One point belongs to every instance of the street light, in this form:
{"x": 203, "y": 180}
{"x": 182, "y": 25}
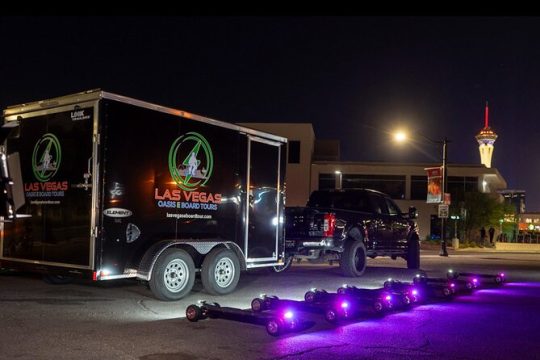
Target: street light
{"x": 401, "y": 137}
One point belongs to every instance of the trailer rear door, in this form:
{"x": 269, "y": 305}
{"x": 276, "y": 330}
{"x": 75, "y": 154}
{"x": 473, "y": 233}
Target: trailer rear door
{"x": 55, "y": 148}
{"x": 263, "y": 206}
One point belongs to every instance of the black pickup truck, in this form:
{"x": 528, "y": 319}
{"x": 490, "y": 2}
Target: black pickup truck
{"x": 350, "y": 225}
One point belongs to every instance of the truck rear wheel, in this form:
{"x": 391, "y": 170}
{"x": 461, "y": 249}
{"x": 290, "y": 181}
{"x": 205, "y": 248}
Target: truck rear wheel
{"x": 173, "y": 275}
{"x": 220, "y": 271}
{"x": 413, "y": 253}
{"x": 353, "y": 259}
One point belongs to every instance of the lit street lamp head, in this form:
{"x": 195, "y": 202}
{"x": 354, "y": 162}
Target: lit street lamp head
{"x": 400, "y": 136}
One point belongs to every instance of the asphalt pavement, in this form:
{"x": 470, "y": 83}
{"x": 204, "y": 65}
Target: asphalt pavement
{"x": 121, "y": 319}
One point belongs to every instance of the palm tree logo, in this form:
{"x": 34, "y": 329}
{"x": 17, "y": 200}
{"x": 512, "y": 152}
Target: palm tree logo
{"x": 191, "y": 161}
{"x": 46, "y": 157}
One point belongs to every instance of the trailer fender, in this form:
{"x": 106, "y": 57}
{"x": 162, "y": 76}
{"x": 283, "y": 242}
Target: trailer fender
{"x": 196, "y": 249}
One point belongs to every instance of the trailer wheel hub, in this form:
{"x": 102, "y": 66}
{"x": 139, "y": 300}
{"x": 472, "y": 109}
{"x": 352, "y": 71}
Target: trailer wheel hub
{"x": 176, "y": 275}
{"x": 224, "y": 272}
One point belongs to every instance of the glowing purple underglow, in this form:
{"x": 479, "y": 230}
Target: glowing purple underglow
{"x": 344, "y": 305}
{"x": 288, "y": 315}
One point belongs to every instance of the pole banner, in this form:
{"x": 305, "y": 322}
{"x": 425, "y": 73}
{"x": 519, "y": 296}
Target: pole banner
{"x": 434, "y": 185}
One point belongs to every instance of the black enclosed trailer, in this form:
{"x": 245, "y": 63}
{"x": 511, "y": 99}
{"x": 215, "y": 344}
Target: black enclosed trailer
{"x": 120, "y": 188}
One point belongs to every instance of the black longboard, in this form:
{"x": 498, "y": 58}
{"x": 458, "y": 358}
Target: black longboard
{"x": 275, "y": 323}
{"x": 367, "y": 304}
{"x": 431, "y": 288}
{"x": 478, "y": 278}
{"x": 404, "y": 287}
{"x": 333, "y": 311}
{"x": 455, "y": 285}
{"x": 390, "y": 298}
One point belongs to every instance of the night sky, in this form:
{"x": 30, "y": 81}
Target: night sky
{"x": 356, "y": 79}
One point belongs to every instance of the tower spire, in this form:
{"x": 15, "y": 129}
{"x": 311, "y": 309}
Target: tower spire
{"x": 486, "y": 138}
{"x": 486, "y": 119}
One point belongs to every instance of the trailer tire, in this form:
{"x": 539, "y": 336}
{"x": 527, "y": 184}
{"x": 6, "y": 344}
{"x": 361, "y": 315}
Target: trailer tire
{"x": 353, "y": 259}
{"x": 413, "y": 253}
{"x": 220, "y": 271}
{"x": 173, "y": 275}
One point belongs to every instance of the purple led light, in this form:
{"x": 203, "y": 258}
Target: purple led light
{"x": 388, "y": 298}
{"x": 452, "y": 285}
{"x": 288, "y": 315}
{"x": 414, "y": 292}
{"x": 475, "y": 280}
{"x": 501, "y": 274}
{"x": 344, "y": 305}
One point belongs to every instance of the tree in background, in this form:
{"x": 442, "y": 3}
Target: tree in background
{"x": 481, "y": 210}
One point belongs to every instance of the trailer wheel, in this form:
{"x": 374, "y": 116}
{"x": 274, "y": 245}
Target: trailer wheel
{"x": 220, "y": 271}
{"x": 173, "y": 275}
{"x": 193, "y": 313}
{"x": 413, "y": 253}
{"x": 353, "y": 259}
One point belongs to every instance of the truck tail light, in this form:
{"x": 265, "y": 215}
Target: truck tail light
{"x": 329, "y": 225}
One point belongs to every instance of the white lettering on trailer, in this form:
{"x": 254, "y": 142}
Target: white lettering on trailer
{"x": 117, "y": 212}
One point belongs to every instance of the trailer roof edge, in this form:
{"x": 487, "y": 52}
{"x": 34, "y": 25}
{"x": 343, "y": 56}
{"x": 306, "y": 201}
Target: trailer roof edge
{"x": 97, "y": 94}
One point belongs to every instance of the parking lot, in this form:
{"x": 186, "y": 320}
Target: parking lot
{"x": 121, "y": 320}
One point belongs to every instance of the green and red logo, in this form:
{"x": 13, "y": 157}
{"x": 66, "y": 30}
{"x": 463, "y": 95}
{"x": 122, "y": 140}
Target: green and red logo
{"x": 191, "y": 161}
{"x": 46, "y": 157}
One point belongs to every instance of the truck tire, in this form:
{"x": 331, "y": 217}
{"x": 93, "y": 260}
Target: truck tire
{"x": 220, "y": 271}
{"x": 173, "y": 275}
{"x": 413, "y": 253}
{"x": 353, "y": 259}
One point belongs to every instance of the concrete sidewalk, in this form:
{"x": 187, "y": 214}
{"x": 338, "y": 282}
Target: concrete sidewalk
{"x": 474, "y": 251}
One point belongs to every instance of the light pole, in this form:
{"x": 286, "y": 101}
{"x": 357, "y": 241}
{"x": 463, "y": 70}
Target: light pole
{"x": 443, "y": 251}
{"x": 401, "y": 137}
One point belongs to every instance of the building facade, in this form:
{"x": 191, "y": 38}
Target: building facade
{"x": 309, "y": 169}
{"x": 406, "y": 184}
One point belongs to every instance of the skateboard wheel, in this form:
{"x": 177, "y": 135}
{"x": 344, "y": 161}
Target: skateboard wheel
{"x": 273, "y": 327}
{"x": 378, "y": 306}
{"x": 257, "y": 305}
{"x": 309, "y": 296}
{"x": 193, "y": 313}
{"x": 331, "y": 315}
